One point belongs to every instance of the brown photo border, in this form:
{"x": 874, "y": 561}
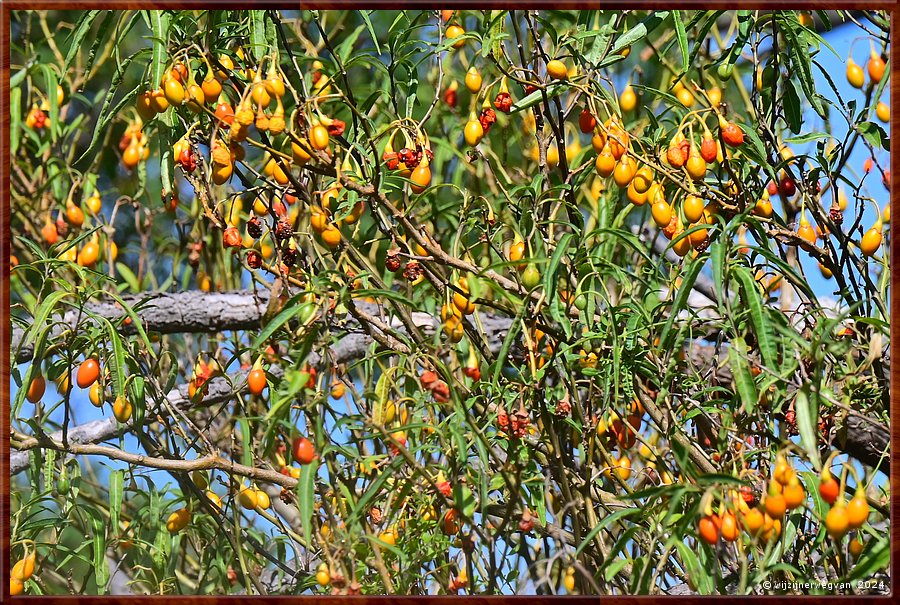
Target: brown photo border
{"x": 8, "y": 6}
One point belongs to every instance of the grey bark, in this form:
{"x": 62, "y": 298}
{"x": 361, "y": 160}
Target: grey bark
{"x": 196, "y": 311}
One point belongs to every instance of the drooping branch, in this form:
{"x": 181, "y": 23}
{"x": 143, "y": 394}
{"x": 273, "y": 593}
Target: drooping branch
{"x": 184, "y": 466}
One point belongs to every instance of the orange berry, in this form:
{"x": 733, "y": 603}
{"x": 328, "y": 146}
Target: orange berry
{"x": 557, "y": 70}
{"x": 331, "y": 236}
{"x": 624, "y": 171}
{"x": 36, "y": 389}
{"x": 75, "y": 215}
{"x": 857, "y": 510}
{"x": 88, "y": 372}
{"x": 855, "y": 74}
{"x": 453, "y": 32}
{"x": 605, "y": 164}
{"x": 692, "y": 208}
{"x": 256, "y": 381}
{"x": 643, "y": 179}
{"x": 122, "y": 409}
{"x": 794, "y": 494}
{"x": 420, "y": 177}
{"x": 696, "y": 166}
{"x": 753, "y": 520}
{"x": 708, "y": 530}
{"x": 178, "y": 520}
{"x": 856, "y": 546}
{"x": 318, "y": 137}
{"x": 871, "y": 241}
{"x": 775, "y": 505}
{"x": 836, "y": 521}
{"x": 875, "y": 67}
{"x": 662, "y": 213}
{"x": 449, "y": 524}
{"x": 729, "y": 529}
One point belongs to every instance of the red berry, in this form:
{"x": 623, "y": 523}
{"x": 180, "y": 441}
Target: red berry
{"x": 303, "y": 450}
{"x": 337, "y": 128}
{"x": 503, "y": 102}
{"x": 450, "y": 97}
{"x": 231, "y": 238}
{"x": 254, "y": 260}
{"x": 732, "y": 135}
{"x": 709, "y": 149}
{"x": 586, "y": 122}
{"x": 787, "y": 187}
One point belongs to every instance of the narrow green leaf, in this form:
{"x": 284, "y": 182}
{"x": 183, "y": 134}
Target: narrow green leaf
{"x": 345, "y": 49}
{"x": 365, "y": 17}
{"x": 603, "y": 523}
{"x": 47, "y": 307}
{"x": 161, "y": 546}
{"x": 117, "y": 362}
{"x": 493, "y": 42}
{"x": 106, "y": 115}
{"x": 691, "y": 563}
{"x": 800, "y": 58}
{"x": 50, "y": 84}
{"x": 136, "y": 396}
{"x": 291, "y": 309}
{"x": 49, "y": 468}
{"x": 717, "y": 255}
{"x": 246, "y": 452}
{"x": 876, "y": 556}
{"x": 553, "y": 268}
{"x": 135, "y": 323}
{"x": 78, "y": 35}
{"x": 791, "y": 102}
{"x": 613, "y": 568}
{"x": 681, "y": 36}
{"x": 507, "y": 343}
{"x": 712, "y": 17}
{"x": 258, "y": 33}
{"x": 159, "y": 28}
{"x": 16, "y": 79}
{"x": 807, "y": 415}
{"x": 639, "y": 31}
{"x": 553, "y": 90}
{"x": 116, "y": 491}
{"x": 166, "y": 161}
{"x": 306, "y": 495}
{"x": 464, "y": 499}
{"x": 271, "y": 34}
{"x": 101, "y": 567}
{"x": 15, "y": 119}
{"x": 740, "y": 371}
{"x": 128, "y": 275}
{"x": 382, "y": 390}
{"x": 680, "y": 302}
{"x": 756, "y": 151}
{"x": 875, "y": 135}
{"x": 752, "y": 298}
{"x": 601, "y": 40}
{"x": 106, "y": 26}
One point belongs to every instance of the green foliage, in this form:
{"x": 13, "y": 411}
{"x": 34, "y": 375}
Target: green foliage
{"x": 512, "y": 378}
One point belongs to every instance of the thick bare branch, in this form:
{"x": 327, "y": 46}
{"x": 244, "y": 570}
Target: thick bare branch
{"x": 861, "y": 437}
